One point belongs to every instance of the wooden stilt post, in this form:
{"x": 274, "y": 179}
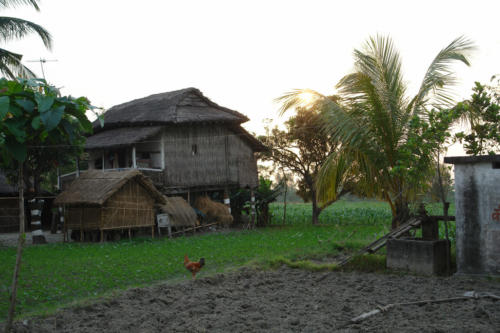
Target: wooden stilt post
{"x": 227, "y": 200}
{"x": 77, "y": 167}
{"x": 134, "y": 159}
{"x": 252, "y": 208}
{"x": 58, "y": 178}
{"x": 129, "y": 234}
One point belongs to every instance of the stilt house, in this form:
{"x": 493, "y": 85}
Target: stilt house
{"x": 180, "y": 139}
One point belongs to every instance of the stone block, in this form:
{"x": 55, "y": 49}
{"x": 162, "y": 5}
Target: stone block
{"x": 417, "y": 256}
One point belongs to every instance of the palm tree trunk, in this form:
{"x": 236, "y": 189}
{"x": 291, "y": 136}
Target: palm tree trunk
{"x": 316, "y": 210}
{"x": 402, "y": 212}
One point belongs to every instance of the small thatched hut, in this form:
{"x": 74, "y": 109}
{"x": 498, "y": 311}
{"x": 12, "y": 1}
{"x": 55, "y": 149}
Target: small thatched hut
{"x": 110, "y": 200}
{"x": 180, "y": 212}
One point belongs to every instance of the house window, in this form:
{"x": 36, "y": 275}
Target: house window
{"x": 194, "y": 149}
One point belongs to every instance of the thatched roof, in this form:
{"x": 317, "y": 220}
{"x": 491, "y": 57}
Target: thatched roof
{"x": 174, "y": 107}
{"x": 95, "y": 187}
{"x": 180, "y": 212}
{"x": 124, "y": 136}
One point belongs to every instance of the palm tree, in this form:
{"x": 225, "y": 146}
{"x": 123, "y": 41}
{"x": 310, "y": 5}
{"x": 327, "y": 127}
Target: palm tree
{"x": 373, "y": 119}
{"x": 15, "y": 28}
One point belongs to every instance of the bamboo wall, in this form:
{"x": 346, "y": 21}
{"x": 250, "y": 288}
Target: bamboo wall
{"x": 9, "y": 214}
{"x": 207, "y": 155}
{"x": 130, "y": 207}
{"x": 82, "y": 218}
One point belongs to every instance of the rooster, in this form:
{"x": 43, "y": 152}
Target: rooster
{"x": 193, "y": 267}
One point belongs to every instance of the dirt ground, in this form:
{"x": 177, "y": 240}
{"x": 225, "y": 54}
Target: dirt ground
{"x": 284, "y": 300}
{"x": 11, "y": 239}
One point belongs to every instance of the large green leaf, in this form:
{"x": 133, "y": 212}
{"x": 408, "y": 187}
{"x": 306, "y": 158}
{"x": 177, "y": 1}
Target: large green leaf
{"x": 52, "y": 117}
{"x": 26, "y": 104}
{"x": 16, "y": 149}
{"x": 16, "y": 126}
{"x": 44, "y": 102}
{"x": 4, "y": 106}
{"x": 35, "y": 123}
{"x": 70, "y": 130}
{"x": 82, "y": 118}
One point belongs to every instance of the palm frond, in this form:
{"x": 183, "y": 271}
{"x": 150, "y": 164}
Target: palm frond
{"x": 15, "y": 28}
{"x": 292, "y": 99}
{"x": 331, "y": 178}
{"x": 11, "y": 66}
{"x": 435, "y": 89}
{"x": 14, "y": 3}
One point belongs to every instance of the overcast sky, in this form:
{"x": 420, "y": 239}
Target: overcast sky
{"x": 244, "y": 54}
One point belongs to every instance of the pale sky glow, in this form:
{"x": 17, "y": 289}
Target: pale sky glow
{"x": 244, "y": 54}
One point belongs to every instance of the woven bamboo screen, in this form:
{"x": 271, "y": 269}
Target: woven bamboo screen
{"x": 130, "y": 207}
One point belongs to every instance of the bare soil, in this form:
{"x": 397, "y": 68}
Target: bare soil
{"x": 284, "y": 300}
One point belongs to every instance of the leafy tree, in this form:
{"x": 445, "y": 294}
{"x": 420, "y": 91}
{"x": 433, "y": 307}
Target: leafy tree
{"x": 15, "y": 28}
{"x": 39, "y": 128}
{"x": 37, "y": 125}
{"x": 483, "y": 114}
{"x": 388, "y": 136}
{"x": 264, "y": 195}
{"x": 441, "y": 183}
{"x": 302, "y": 149}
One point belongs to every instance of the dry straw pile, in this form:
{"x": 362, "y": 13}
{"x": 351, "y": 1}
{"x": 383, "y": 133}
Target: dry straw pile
{"x": 214, "y": 210}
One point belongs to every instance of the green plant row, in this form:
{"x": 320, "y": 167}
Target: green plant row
{"x": 343, "y": 213}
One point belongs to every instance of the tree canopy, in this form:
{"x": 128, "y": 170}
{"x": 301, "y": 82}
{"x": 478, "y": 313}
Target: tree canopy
{"x": 302, "y": 149}
{"x": 388, "y": 136}
{"x": 39, "y": 127}
{"x": 482, "y": 111}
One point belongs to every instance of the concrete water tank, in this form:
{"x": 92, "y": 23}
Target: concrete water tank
{"x": 477, "y": 204}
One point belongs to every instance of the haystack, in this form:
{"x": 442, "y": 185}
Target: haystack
{"x": 214, "y": 210}
{"x": 180, "y": 212}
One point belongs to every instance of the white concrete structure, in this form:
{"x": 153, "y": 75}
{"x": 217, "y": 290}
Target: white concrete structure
{"x": 477, "y": 202}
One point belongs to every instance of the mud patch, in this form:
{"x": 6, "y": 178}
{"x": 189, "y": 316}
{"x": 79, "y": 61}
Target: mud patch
{"x": 285, "y": 300}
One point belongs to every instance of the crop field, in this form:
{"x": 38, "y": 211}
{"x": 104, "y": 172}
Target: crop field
{"x": 350, "y": 213}
{"x": 59, "y": 274}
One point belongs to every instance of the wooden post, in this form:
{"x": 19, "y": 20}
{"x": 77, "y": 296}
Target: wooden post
{"x": 58, "y": 178}
{"x": 103, "y": 161}
{"x": 227, "y": 200}
{"x": 129, "y": 234}
{"x": 20, "y": 245}
{"x": 77, "y": 166}
{"x": 252, "y": 209}
{"x": 284, "y": 197}
{"x": 65, "y": 227}
{"x": 162, "y": 152}
{"x": 134, "y": 160}
{"x": 36, "y": 207}
{"x": 153, "y": 232}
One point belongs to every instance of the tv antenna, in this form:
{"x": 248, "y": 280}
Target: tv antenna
{"x": 43, "y": 61}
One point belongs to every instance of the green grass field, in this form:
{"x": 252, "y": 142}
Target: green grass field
{"x": 59, "y": 274}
